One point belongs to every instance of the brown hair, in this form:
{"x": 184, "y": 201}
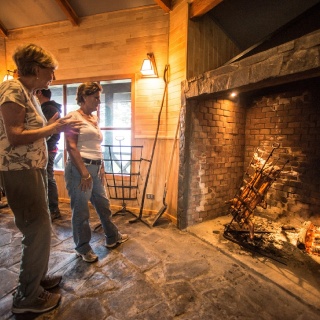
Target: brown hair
{"x": 28, "y": 57}
{"x": 87, "y": 89}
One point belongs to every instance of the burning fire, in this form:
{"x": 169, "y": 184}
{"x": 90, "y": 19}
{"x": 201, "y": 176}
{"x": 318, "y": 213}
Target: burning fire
{"x": 312, "y": 238}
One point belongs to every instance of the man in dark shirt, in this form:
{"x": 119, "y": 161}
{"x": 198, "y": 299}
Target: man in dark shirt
{"x": 49, "y": 109}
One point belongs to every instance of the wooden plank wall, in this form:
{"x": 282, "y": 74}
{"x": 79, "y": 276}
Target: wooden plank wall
{"x": 208, "y": 46}
{"x": 106, "y": 45}
{"x": 114, "y": 45}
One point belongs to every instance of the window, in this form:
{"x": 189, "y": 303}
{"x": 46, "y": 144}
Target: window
{"x": 115, "y": 114}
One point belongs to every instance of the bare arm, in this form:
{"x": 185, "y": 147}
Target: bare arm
{"x": 14, "y": 115}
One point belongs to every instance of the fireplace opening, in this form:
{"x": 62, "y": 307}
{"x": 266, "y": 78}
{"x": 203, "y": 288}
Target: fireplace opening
{"x": 222, "y": 135}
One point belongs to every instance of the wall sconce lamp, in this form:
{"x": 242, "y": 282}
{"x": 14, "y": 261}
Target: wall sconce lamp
{"x": 149, "y": 67}
{"x": 10, "y": 75}
{"x": 233, "y": 94}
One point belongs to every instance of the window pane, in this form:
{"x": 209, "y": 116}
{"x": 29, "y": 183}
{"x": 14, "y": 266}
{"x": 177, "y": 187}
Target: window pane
{"x": 71, "y": 97}
{"x": 57, "y": 95}
{"x": 114, "y": 114}
{"x": 116, "y": 146}
{"x": 115, "y": 108}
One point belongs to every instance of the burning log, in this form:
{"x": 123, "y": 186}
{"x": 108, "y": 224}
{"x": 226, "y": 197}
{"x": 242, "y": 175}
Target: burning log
{"x": 252, "y": 193}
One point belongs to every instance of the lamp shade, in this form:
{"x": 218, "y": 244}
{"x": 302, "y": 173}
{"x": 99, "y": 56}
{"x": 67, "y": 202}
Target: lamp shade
{"x": 148, "y": 68}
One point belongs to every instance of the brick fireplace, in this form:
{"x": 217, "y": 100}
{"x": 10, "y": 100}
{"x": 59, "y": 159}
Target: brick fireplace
{"x": 278, "y": 103}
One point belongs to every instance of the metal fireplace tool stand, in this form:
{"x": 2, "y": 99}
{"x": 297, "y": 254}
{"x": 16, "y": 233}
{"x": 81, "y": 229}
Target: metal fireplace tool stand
{"x": 122, "y": 171}
{"x": 264, "y": 168}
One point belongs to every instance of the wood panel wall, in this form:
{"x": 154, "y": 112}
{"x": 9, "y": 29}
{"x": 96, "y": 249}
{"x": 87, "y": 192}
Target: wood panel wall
{"x": 114, "y": 45}
{"x": 208, "y": 47}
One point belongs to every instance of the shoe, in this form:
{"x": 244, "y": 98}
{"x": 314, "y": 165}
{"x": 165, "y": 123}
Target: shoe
{"x": 90, "y": 256}
{"x": 122, "y": 238}
{"x": 55, "y": 215}
{"x": 50, "y": 281}
{"x": 45, "y": 302}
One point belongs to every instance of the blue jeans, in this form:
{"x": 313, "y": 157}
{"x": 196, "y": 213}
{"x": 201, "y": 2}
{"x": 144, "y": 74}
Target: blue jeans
{"x": 26, "y": 192}
{"x": 80, "y": 208}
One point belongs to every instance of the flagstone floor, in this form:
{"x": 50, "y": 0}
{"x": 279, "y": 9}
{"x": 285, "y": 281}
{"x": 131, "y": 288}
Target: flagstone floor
{"x": 164, "y": 273}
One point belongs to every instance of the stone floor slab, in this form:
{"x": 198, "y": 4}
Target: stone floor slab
{"x": 162, "y": 273}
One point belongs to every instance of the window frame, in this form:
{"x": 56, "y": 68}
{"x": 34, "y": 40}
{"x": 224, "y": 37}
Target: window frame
{"x": 98, "y": 79}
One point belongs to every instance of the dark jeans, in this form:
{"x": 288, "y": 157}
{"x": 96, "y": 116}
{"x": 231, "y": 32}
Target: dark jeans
{"x": 26, "y": 192}
{"x": 52, "y": 185}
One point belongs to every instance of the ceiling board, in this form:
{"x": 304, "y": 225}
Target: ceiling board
{"x": 15, "y": 14}
{"x": 88, "y": 7}
{"x": 22, "y": 13}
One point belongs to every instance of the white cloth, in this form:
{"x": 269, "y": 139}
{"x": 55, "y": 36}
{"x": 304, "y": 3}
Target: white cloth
{"x": 89, "y": 138}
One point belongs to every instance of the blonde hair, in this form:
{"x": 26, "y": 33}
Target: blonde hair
{"x": 87, "y": 89}
{"x": 28, "y": 57}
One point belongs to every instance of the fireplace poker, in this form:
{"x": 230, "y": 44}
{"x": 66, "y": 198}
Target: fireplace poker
{"x": 165, "y": 205}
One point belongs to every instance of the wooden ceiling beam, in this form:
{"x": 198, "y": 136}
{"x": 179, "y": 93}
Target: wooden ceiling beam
{"x": 68, "y": 11}
{"x": 200, "y": 7}
{"x": 3, "y": 31}
{"x": 166, "y": 5}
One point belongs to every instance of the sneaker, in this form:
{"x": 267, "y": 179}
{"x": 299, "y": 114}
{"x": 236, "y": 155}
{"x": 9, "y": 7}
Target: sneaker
{"x": 121, "y": 238}
{"x": 45, "y": 302}
{"x": 50, "y": 281}
{"x": 90, "y": 256}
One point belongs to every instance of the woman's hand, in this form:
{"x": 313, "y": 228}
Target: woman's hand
{"x": 65, "y": 124}
{"x": 85, "y": 183}
{"x": 54, "y": 118}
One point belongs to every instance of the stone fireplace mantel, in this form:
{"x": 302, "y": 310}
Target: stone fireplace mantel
{"x": 295, "y": 60}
